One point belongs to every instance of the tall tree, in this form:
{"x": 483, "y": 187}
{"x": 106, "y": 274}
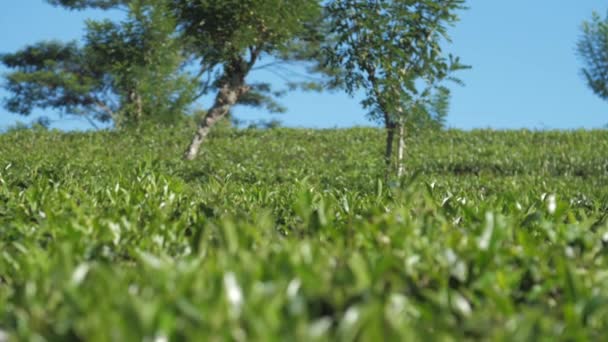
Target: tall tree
{"x": 593, "y": 50}
{"x": 122, "y": 72}
{"x": 234, "y": 35}
{"x": 392, "y": 49}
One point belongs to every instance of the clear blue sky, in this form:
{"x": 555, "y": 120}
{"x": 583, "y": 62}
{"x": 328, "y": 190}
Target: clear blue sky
{"x": 525, "y": 72}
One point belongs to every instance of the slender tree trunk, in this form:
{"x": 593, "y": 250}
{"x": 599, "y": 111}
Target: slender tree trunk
{"x": 390, "y": 137}
{"x": 227, "y": 97}
{"x": 400, "y": 150}
{"x": 233, "y": 87}
{"x": 135, "y": 103}
{"x": 140, "y": 107}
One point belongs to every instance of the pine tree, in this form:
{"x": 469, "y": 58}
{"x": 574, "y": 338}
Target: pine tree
{"x": 124, "y": 72}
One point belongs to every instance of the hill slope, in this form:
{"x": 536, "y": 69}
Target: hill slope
{"x": 287, "y": 233}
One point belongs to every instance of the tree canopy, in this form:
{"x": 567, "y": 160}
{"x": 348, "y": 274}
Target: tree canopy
{"x": 235, "y": 35}
{"x": 122, "y": 70}
{"x": 56, "y": 75}
{"x": 84, "y": 4}
{"x": 165, "y": 55}
{"x": 592, "y": 48}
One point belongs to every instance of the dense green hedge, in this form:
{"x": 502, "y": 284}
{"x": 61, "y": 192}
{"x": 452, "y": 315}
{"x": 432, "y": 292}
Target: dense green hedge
{"x": 291, "y": 233}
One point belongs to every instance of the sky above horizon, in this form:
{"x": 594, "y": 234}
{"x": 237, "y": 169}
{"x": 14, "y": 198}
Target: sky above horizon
{"x": 525, "y": 72}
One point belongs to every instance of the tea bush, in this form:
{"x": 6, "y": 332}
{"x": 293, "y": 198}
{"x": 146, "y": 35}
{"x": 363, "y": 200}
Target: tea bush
{"x": 284, "y": 234}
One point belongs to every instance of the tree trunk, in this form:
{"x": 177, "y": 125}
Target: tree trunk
{"x": 140, "y": 108}
{"x": 390, "y": 137}
{"x": 227, "y": 97}
{"x": 400, "y": 151}
{"x": 233, "y": 87}
{"x": 136, "y": 105}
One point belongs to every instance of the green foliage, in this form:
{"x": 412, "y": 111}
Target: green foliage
{"x": 219, "y": 38}
{"x": 84, "y": 4}
{"x": 55, "y": 75}
{"x": 430, "y": 113}
{"x": 392, "y": 49}
{"x": 593, "y": 50}
{"x": 279, "y": 235}
{"x": 231, "y": 38}
{"x": 227, "y": 29}
{"x": 123, "y": 72}
{"x": 144, "y": 58}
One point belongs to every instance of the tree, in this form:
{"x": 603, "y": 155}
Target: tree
{"x": 227, "y": 40}
{"x": 145, "y": 59}
{"x": 392, "y": 50}
{"x": 593, "y": 50}
{"x": 122, "y": 72}
{"x": 235, "y": 35}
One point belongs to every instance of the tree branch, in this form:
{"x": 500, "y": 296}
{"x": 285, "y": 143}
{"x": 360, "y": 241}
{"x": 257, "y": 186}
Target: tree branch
{"x": 106, "y": 109}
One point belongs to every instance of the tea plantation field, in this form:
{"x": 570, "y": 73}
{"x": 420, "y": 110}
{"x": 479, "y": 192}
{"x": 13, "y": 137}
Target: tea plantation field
{"x": 293, "y": 234}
